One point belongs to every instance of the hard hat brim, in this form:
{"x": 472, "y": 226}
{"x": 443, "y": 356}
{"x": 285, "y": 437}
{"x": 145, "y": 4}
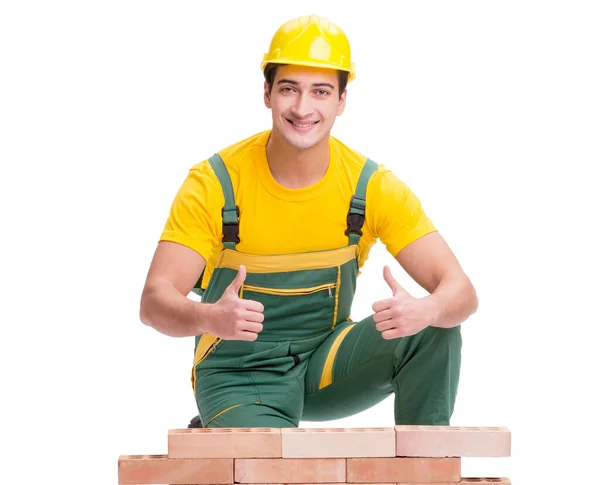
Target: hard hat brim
{"x": 318, "y": 64}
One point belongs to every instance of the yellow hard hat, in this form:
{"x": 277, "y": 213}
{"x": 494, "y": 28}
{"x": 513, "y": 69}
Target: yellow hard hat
{"x": 311, "y": 41}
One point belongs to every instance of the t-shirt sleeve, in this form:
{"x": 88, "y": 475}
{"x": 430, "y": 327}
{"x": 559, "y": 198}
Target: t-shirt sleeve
{"x": 195, "y": 216}
{"x": 394, "y": 212}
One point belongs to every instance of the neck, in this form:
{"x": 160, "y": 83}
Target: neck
{"x": 296, "y": 168}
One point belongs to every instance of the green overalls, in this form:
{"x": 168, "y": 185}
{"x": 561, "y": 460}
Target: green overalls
{"x": 311, "y": 361}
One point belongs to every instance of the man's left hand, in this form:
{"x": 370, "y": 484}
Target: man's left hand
{"x": 402, "y": 315}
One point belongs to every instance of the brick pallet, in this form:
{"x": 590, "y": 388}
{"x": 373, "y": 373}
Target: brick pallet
{"x": 401, "y": 455}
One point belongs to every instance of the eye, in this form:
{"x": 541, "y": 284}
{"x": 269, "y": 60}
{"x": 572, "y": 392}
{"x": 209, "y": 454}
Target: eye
{"x": 323, "y": 92}
{"x": 287, "y": 89}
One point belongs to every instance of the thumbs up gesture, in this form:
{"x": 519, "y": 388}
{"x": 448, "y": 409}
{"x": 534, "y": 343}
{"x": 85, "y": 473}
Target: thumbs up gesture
{"x": 402, "y": 314}
{"x": 235, "y": 318}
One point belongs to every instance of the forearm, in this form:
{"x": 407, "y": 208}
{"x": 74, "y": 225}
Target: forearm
{"x": 169, "y": 312}
{"x": 453, "y": 301}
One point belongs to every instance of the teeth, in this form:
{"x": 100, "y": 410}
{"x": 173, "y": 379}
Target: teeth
{"x": 303, "y": 126}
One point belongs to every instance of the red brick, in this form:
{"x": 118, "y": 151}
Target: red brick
{"x": 463, "y": 481}
{"x": 361, "y": 470}
{"x": 152, "y": 469}
{"x": 224, "y": 443}
{"x": 338, "y": 442}
{"x": 452, "y": 441}
{"x": 290, "y": 470}
{"x": 484, "y": 481}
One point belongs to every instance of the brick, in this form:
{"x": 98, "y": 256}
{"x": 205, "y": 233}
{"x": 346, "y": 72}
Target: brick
{"x": 152, "y": 469}
{"x": 224, "y": 443}
{"x": 484, "y": 481}
{"x": 378, "y": 470}
{"x": 463, "y": 481}
{"x": 338, "y": 442}
{"x": 290, "y": 470}
{"x": 452, "y": 441}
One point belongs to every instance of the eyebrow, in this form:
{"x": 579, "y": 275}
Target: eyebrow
{"x": 296, "y": 83}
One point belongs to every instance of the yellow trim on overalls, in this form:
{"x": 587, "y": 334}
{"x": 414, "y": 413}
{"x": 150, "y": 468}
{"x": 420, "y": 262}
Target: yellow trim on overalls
{"x": 274, "y": 263}
{"x": 206, "y": 342}
{"x": 289, "y": 291}
{"x": 327, "y": 375}
{"x": 337, "y": 297}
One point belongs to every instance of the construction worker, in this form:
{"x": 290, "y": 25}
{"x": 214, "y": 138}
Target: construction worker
{"x": 272, "y": 232}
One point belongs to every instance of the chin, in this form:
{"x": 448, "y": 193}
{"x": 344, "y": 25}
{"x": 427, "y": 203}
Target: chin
{"x": 302, "y": 141}
{"x": 303, "y": 144}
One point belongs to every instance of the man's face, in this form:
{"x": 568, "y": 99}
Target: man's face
{"x": 304, "y": 102}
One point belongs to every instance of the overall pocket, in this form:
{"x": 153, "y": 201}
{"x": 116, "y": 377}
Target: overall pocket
{"x": 329, "y": 287}
{"x": 294, "y": 313}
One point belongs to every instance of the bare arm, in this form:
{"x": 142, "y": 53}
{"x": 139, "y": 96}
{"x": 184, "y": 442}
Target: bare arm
{"x": 432, "y": 264}
{"x": 164, "y": 305}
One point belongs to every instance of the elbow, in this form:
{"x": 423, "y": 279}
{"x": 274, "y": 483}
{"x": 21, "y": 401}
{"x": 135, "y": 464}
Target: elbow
{"x": 144, "y": 312}
{"x": 142, "y": 315}
{"x": 473, "y": 298}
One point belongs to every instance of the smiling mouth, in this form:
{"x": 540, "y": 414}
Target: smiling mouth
{"x": 302, "y": 125}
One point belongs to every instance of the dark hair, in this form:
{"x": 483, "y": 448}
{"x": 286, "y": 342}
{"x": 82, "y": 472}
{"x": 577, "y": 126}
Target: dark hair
{"x": 271, "y": 70}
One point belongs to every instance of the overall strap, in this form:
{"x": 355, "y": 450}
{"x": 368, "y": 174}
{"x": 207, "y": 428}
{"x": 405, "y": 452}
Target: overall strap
{"x": 356, "y": 213}
{"x": 230, "y": 212}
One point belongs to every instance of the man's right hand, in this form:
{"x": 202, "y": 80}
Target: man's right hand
{"x": 234, "y": 317}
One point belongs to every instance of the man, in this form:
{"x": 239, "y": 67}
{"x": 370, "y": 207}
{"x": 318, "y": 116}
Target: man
{"x": 272, "y": 232}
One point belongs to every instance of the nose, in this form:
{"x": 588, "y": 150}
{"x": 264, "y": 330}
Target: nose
{"x": 301, "y": 108}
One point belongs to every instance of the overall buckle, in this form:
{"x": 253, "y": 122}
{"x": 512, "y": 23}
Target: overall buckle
{"x": 231, "y": 229}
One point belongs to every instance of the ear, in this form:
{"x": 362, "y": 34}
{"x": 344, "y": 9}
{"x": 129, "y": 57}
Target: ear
{"x": 342, "y": 103}
{"x": 267, "y": 96}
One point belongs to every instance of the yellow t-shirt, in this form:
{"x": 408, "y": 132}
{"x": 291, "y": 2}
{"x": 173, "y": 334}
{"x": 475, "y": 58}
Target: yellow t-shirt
{"x": 277, "y": 220}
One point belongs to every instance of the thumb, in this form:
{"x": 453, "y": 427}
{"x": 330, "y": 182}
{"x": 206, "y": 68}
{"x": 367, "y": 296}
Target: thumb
{"x": 392, "y": 283}
{"x": 236, "y": 284}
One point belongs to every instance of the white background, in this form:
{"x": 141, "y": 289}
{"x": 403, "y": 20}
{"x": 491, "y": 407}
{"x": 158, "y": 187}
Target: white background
{"x": 489, "y": 111}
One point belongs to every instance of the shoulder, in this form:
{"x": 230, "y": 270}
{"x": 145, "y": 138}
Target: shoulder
{"x": 353, "y": 162}
{"x": 235, "y": 154}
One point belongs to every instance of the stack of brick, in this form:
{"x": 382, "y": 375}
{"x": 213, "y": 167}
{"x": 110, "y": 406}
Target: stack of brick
{"x": 401, "y": 455}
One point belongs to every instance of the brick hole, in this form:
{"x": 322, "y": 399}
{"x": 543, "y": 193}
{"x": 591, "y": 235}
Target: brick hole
{"x": 264, "y": 430}
{"x": 154, "y": 456}
{"x": 245, "y": 430}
